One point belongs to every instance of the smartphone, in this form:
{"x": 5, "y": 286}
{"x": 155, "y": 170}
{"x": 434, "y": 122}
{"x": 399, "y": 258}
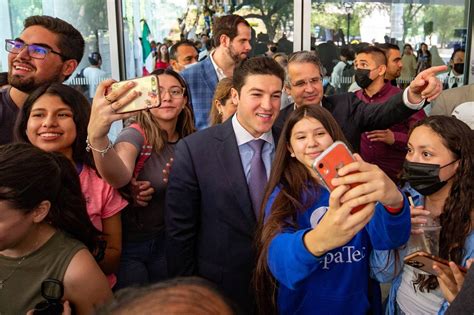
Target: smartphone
{"x": 148, "y": 89}
{"x": 423, "y": 261}
{"x": 330, "y": 161}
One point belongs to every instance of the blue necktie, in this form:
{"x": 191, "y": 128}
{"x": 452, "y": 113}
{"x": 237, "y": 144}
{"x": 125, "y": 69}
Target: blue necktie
{"x": 258, "y": 175}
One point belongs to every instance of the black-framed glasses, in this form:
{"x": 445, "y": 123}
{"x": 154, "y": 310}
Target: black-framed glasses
{"x": 35, "y": 51}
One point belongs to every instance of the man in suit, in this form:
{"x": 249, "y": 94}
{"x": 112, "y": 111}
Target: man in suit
{"x": 231, "y": 35}
{"x": 212, "y": 197}
{"x": 449, "y": 99}
{"x": 304, "y": 84}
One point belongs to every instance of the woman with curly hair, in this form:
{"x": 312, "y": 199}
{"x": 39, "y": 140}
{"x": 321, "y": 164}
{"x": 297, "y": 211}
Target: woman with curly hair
{"x": 439, "y": 171}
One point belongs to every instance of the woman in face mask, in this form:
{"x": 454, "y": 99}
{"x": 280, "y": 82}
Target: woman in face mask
{"x": 439, "y": 177}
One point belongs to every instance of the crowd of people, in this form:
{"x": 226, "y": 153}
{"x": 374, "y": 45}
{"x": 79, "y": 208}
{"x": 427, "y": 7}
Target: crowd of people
{"x": 209, "y": 203}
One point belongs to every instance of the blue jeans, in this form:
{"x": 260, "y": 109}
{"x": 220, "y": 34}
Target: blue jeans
{"x": 142, "y": 263}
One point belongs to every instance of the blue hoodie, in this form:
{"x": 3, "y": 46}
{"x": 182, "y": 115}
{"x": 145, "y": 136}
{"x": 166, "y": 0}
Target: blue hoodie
{"x": 338, "y": 281}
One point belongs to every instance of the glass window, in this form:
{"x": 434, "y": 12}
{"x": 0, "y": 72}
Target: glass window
{"x": 271, "y": 20}
{"x": 440, "y": 24}
{"x": 88, "y": 16}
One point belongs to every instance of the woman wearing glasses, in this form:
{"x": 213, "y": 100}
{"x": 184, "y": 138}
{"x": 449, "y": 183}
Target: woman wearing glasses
{"x": 143, "y": 259}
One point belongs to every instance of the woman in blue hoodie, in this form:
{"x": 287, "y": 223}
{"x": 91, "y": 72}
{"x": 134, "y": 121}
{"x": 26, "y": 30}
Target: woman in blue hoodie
{"x": 314, "y": 255}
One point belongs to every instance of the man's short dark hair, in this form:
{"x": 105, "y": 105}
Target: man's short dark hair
{"x": 71, "y": 42}
{"x": 456, "y": 51}
{"x": 174, "y": 48}
{"x": 227, "y": 25}
{"x": 256, "y": 66}
{"x": 348, "y": 53}
{"x": 95, "y": 58}
{"x": 387, "y": 46}
{"x": 378, "y": 54}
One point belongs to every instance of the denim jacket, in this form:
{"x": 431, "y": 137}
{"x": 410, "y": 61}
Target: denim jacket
{"x": 385, "y": 269}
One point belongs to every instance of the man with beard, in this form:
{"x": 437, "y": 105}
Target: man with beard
{"x": 394, "y": 62}
{"x": 48, "y": 50}
{"x": 231, "y": 36}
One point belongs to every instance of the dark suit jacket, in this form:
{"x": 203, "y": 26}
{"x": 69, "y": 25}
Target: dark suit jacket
{"x": 210, "y": 222}
{"x": 201, "y": 80}
{"x": 355, "y": 116}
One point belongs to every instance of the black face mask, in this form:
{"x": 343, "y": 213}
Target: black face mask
{"x": 459, "y": 68}
{"x": 362, "y": 78}
{"x": 423, "y": 177}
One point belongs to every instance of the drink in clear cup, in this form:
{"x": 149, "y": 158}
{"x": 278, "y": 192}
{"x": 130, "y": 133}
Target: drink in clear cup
{"x": 428, "y": 241}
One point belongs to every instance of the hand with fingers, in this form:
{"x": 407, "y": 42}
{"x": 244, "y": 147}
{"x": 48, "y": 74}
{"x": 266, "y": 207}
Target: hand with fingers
{"x": 385, "y": 136}
{"x": 338, "y": 226}
{"x": 103, "y": 110}
{"x": 418, "y": 216}
{"x": 142, "y": 192}
{"x": 426, "y": 86}
{"x": 451, "y": 279}
{"x": 373, "y": 185}
{"x": 167, "y": 169}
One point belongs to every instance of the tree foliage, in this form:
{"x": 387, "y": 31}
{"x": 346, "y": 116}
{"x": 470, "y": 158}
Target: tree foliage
{"x": 275, "y": 14}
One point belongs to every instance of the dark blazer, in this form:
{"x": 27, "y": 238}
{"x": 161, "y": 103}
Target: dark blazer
{"x": 209, "y": 218}
{"x": 356, "y": 117}
{"x": 201, "y": 80}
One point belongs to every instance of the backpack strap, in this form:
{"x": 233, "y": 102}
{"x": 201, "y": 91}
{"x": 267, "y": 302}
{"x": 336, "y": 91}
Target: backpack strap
{"x": 145, "y": 152}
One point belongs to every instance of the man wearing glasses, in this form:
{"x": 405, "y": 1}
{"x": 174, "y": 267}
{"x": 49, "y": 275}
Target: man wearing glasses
{"x": 304, "y": 84}
{"x": 48, "y": 50}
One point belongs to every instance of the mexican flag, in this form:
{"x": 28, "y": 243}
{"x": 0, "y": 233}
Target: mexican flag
{"x": 148, "y": 65}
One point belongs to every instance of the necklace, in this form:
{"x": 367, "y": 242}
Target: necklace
{"x": 4, "y": 280}
{"x": 18, "y": 264}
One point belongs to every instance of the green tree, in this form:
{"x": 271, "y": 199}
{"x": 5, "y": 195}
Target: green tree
{"x": 411, "y": 13}
{"x": 275, "y": 14}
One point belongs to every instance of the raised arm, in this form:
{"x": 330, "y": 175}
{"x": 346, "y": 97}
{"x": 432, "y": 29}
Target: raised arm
{"x": 115, "y": 164}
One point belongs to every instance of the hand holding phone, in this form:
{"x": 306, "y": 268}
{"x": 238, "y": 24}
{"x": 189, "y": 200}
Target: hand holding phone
{"x": 330, "y": 161}
{"x": 424, "y": 261}
{"x": 148, "y": 90}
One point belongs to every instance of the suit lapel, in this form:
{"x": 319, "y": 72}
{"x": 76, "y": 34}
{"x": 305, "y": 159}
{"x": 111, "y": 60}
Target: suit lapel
{"x": 209, "y": 73}
{"x": 229, "y": 158}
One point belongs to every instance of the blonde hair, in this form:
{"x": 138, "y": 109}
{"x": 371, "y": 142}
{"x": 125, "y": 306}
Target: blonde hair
{"x": 222, "y": 94}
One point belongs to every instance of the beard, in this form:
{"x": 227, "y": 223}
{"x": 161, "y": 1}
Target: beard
{"x": 234, "y": 55}
{"x": 27, "y": 85}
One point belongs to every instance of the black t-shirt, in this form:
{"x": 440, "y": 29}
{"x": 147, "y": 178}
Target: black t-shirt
{"x": 8, "y": 113}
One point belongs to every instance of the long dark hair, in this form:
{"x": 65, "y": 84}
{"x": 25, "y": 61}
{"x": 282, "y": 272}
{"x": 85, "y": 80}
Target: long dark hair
{"x": 456, "y": 216}
{"x": 29, "y": 175}
{"x": 294, "y": 181}
{"x": 81, "y": 111}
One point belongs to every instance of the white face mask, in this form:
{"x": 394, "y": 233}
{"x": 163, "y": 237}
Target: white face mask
{"x": 189, "y": 65}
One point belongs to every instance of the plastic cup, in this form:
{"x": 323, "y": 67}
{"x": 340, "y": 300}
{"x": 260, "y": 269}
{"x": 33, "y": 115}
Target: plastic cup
{"x": 428, "y": 241}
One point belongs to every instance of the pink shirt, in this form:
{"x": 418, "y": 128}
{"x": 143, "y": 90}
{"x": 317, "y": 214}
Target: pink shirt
{"x": 103, "y": 201}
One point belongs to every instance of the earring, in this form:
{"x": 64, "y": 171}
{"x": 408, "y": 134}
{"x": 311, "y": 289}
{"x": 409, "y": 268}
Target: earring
{"x": 292, "y": 155}
{"x": 219, "y": 113}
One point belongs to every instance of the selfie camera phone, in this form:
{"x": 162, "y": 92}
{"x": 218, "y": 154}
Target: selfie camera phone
{"x": 330, "y": 162}
{"x": 148, "y": 89}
